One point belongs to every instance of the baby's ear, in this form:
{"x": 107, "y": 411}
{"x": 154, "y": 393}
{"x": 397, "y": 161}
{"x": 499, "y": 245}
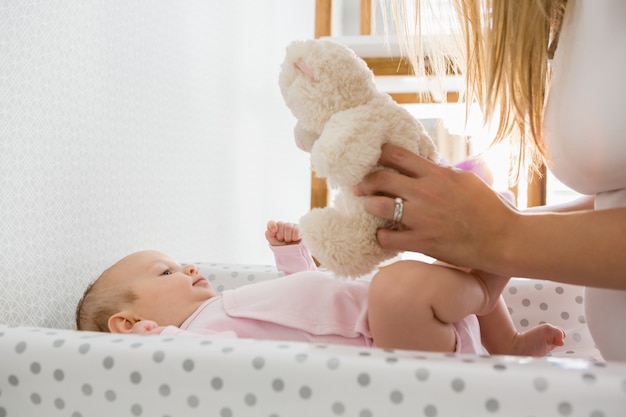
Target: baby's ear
{"x": 306, "y": 70}
{"x": 122, "y": 322}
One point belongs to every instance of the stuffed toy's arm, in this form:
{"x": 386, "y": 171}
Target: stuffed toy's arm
{"x": 304, "y": 138}
{"x": 349, "y": 146}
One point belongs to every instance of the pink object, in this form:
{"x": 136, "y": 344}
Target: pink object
{"x": 478, "y": 167}
{"x": 308, "y": 306}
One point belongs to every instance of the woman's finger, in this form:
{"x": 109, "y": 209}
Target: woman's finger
{"x": 396, "y": 239}
{"x": 380, "y": 206}
{"x": 385, "y": 208}
{"x": 408, "y": 167}
{"x": 386, "y": 183}
{"x": 405, "y": 161}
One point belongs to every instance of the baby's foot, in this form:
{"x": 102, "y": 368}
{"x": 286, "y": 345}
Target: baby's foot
{"x": 538, "y": 341}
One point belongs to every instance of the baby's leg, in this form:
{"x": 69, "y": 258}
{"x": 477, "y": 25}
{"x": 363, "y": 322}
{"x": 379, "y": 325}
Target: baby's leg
{"x": 499, "y": 335}
{"x": 412, "y": 304}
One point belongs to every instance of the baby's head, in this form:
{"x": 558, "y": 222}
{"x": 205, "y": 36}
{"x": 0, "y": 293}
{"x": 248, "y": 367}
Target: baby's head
{"x": 145, "y": 285}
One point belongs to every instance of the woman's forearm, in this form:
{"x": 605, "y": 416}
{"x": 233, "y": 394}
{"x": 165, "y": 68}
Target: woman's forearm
{"x": 582, "y": 203}
{"x": 455, "y": 217}
{"x": 583, "y": 248}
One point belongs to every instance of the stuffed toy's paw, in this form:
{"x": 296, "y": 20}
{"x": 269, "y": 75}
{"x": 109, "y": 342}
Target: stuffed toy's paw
{"x": 344, "y": 236}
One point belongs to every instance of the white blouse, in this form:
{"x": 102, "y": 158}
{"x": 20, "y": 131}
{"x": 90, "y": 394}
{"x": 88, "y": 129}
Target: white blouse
{"x": 585, "y": 133}
{"x": 585, "y": 120}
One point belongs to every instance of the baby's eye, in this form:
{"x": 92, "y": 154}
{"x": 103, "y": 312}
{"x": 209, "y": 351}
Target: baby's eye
{"x": 167, "y": 272}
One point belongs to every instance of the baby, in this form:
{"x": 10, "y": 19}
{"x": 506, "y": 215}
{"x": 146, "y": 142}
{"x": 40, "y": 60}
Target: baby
{"x": 407, "y": 305}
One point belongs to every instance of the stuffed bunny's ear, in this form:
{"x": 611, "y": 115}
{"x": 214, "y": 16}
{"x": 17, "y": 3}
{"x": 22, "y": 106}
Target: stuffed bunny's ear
{"x": 306, "y": 70}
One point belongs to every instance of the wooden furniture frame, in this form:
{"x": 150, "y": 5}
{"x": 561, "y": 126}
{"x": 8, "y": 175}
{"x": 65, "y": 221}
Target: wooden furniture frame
{"x": 394, "y": 66}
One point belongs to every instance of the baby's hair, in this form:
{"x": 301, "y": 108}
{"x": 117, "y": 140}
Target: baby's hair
{"x": 101, "y": 300}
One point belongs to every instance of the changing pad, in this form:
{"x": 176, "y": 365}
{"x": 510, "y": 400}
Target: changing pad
{"x": 62, "y": 372}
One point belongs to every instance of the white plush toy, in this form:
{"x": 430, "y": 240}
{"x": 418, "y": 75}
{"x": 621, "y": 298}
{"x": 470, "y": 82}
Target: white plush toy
{"x": 343, "y": 121}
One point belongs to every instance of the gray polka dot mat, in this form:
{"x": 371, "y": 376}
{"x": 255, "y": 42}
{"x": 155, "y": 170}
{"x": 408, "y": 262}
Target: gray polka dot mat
{"x": 62, "y": 372}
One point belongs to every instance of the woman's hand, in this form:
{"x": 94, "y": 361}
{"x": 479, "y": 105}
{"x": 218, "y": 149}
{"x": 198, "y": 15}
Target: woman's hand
{"x": 449, "y": 214}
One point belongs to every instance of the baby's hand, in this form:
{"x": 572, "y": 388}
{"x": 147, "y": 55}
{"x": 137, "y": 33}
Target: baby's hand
{"x": 147, "y": 327}
{"x": 282, "y": 234}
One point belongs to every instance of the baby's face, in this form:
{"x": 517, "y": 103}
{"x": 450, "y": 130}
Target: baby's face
{"x": 167, "y": 292}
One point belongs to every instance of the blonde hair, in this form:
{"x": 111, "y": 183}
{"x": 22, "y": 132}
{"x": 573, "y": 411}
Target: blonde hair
{"x": 101, "y": 300}
{"x": 502, "y": 47}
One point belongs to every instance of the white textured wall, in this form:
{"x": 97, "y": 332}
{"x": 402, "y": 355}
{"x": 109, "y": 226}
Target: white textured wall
{"x": 127, "y": 125}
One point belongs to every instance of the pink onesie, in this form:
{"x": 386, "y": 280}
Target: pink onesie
{"x": 308, "y": 306}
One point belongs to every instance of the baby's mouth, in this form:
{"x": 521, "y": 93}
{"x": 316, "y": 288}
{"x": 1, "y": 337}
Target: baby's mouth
{"x": 201, "y": 281}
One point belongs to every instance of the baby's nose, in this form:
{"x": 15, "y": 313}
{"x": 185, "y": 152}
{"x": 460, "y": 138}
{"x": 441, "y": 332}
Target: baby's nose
{"x": 190, "y": 270}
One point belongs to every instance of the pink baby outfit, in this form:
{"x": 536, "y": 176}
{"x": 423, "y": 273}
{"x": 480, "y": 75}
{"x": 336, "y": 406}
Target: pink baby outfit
{"x": 308, "y": 306}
